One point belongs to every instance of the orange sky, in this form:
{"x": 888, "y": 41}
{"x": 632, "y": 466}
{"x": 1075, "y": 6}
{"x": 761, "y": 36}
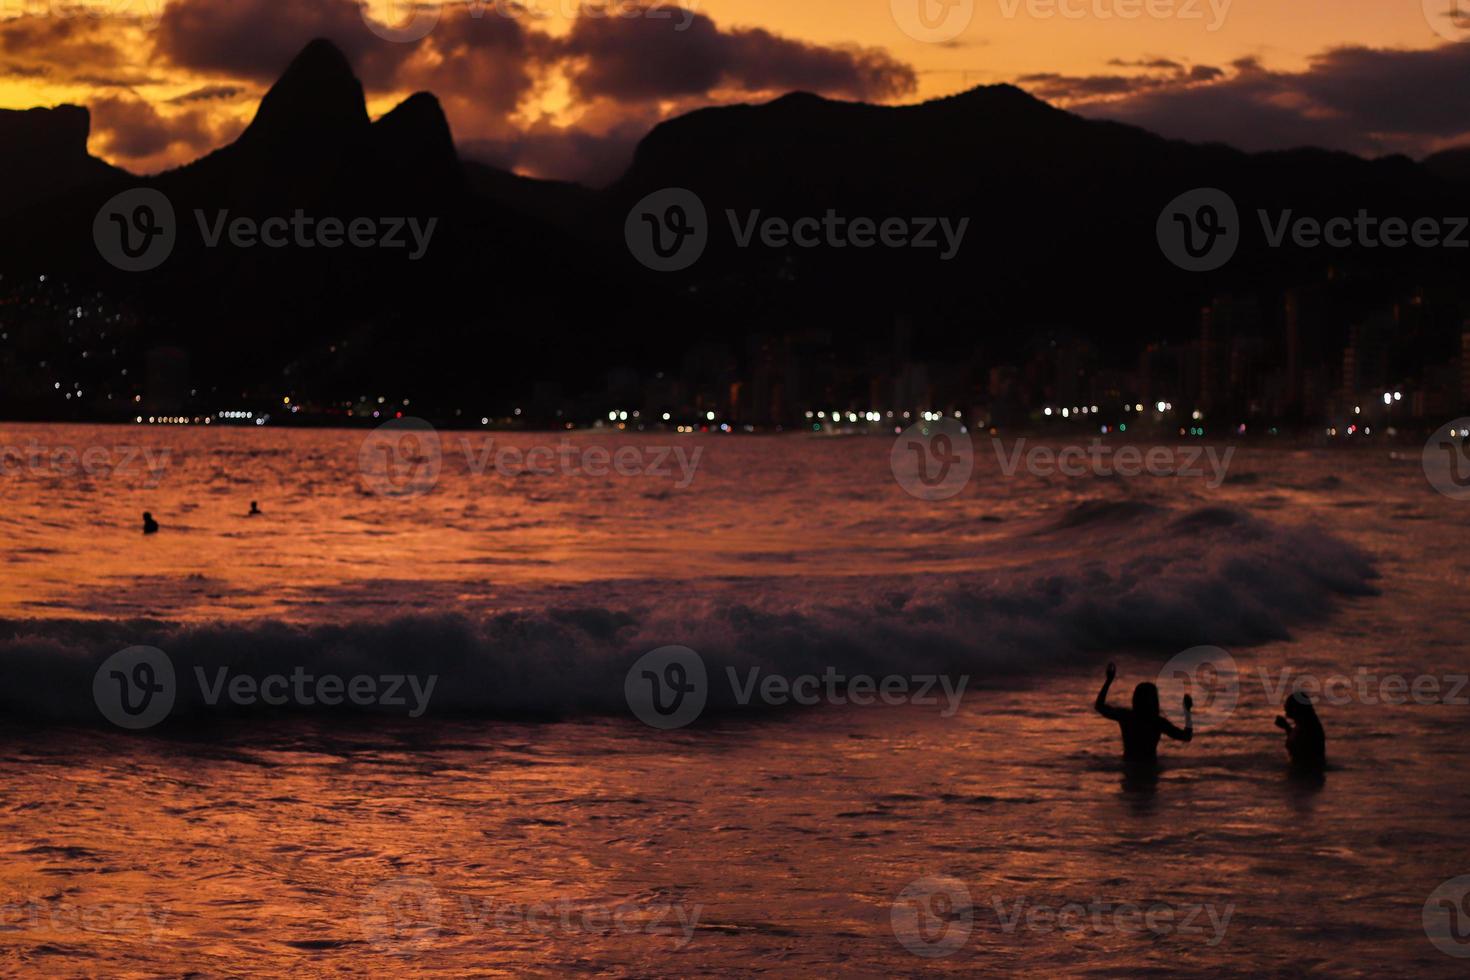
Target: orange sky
{"x": 107, "y": 53}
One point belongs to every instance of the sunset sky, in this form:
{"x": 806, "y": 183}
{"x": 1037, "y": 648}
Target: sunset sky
{"x": 549, "y": 93}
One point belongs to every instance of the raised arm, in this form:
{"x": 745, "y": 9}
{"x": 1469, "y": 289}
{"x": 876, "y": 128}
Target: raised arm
{"x": 1101, "y": 704}
{"x": 1185, "y": 734}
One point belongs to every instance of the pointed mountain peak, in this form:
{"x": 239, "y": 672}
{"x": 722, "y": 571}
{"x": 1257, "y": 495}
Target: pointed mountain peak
{"x": 321, "y": 57}
{"x": 414, "y": 140}
{"x": 317, "y": 99}
{"x": 420, "y": 114}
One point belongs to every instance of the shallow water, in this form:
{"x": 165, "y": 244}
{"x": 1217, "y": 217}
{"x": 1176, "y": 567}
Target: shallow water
{"x": 466, "y": 841}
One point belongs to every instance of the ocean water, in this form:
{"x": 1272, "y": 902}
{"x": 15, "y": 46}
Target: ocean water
{"x": 518, "y": 818}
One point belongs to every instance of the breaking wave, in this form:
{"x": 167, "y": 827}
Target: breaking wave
{"x": 1099, "y": 578}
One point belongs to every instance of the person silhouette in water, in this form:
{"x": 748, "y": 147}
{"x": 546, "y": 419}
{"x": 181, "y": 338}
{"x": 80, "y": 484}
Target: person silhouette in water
{"x": 1143, "y": 724}
{"x": 150, "y": 526}
{"x": 1306, "y": 742}
{"x": 254, "y": 509}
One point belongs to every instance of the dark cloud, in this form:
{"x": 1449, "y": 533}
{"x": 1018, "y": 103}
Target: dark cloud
{"x": 209, "y": 93}
{"x": 1154, "y": 63}
{"x": 1061, "y": 88}
{"x": 119, "y": 80}
{"x": 256, "y": 39}
{"x": 13, "y": 70}
{"x": 1073, "y": 88}
{"x": 61, "y": 48}
{"x": 641, "y": 58}
{"x": 1364, "y": 100}
{"x": 133, "y": 131}
{"x": 481, "y": 67}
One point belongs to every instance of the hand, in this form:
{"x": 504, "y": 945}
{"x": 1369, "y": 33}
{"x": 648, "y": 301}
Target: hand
{"x": 1283, "y": 724}
{"x": 1188, "y": 703}
{"x": 1112, "y": 671}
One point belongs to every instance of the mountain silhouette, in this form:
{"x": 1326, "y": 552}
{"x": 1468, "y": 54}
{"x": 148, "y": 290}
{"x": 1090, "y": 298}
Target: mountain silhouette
{"x": 1061, "y": 235}
{"x": 48, "y": 156}
{"x": 317, "y": 103}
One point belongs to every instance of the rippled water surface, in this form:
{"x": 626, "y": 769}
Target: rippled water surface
{"x": 526, "y": 824}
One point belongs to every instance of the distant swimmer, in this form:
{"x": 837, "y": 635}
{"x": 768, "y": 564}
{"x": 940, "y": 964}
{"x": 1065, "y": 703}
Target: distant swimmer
{"x": 1143, "y": 724}
{"x": 254, "y": 509}
{"x": 150, "y": 526}
{"x": 1306, "y": 742}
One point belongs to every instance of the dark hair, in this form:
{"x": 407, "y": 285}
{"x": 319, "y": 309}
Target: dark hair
{"x": 1298, "y": 707}
{"x": 1146, "y": 699}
